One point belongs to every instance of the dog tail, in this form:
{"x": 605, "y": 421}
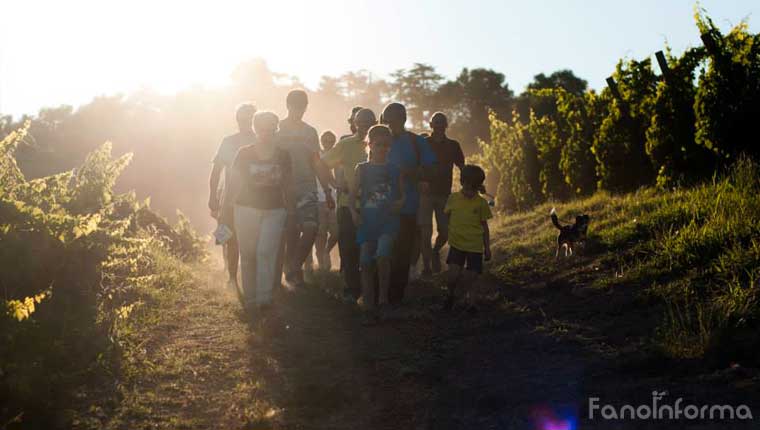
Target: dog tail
{"x": 555, "y": 220}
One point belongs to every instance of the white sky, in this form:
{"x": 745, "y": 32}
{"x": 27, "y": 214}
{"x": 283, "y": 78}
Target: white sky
{"x": 66, "y": 52}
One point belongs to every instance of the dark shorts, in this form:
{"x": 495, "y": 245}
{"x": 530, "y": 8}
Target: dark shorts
{"x": 472, "y": 261}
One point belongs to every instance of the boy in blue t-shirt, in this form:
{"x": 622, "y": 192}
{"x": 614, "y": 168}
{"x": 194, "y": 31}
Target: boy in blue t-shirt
{"x": 380, "y": 191}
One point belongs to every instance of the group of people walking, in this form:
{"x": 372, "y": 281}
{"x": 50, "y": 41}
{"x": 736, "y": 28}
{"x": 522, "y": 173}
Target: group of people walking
{"x": 374, "y": 192}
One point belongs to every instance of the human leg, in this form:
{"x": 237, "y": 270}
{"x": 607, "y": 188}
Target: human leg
{"x": 442, "y": 228}
{"x": 425, "y": 223}
{"x": 383, "y": 264}
{"x": 308, "y": 219}
{"x": 349, "y": 251}
{"x": 368, "y": 274}
{"x": 456, "y": 261}
{"x": 452, "y": 282}
{"x": 292, "y": 235}
{"x": 400, "y": 260}
{"x": 332, "y": 230}
{"x": 320, "y": 241}
{"x": 247, "y": 223}
{"x": 272, "y": 223}
{"x": 232, "y": 253}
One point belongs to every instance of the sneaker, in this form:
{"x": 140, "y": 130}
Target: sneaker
{"x": 436, "y": 262}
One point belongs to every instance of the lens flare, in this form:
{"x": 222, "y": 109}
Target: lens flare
{"x": 546, "y": 418}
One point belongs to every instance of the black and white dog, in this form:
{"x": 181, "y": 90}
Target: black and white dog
{"x": 570, "y": 235}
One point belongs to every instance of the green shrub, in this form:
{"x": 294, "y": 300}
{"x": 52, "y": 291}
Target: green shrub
{"x": 727, "y": 101}
{"x": 76, "y": 259}
{"x": 670, "y": 138}
{"x": 619, "y": 146}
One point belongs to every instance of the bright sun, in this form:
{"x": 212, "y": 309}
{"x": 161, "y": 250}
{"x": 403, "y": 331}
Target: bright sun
{"x": 105, "y": 47}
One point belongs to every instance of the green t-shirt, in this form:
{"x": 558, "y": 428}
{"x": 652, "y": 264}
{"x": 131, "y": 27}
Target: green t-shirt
{"x": 465, "y": 221}
{"x": 346, "y": 154}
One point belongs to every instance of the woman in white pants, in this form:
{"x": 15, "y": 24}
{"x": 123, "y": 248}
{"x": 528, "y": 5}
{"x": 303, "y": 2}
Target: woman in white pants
{"x": 259, "y": 195}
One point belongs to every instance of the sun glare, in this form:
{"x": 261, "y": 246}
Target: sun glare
{"x": 108, "y": 47}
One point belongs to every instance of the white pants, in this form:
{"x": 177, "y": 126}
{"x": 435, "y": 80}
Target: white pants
{"x": 259, "y": 234}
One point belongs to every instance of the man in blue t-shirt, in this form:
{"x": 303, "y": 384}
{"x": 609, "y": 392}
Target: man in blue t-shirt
{"x": 414, "y": 158}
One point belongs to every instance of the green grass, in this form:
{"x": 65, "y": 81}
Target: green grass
{"x": 695, "y": 252}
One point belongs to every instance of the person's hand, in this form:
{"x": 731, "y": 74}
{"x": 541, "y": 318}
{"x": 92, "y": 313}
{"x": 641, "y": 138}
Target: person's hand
{"x": 487, "y": 254}
{"x": 330, "y": 202}
{"x": 424, "y": 187}
{"x": 215, "y": 214}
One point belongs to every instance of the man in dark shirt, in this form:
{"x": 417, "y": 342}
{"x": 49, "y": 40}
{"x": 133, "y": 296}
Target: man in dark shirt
{"x": 412, "y": 155}
{"x": 449, "y": 154}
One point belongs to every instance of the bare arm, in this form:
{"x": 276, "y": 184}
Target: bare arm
{"x": 459, "y": 158}
{"x": 231, "y": 192}
{"x": 213, "y": 185}
{"x": 325, "y": 178}
{"x": 353, "y": 192}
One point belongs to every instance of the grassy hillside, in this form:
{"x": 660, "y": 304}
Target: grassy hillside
{"x": 677, "y": 270}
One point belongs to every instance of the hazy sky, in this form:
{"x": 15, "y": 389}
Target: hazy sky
{"x": 56, "y": 52}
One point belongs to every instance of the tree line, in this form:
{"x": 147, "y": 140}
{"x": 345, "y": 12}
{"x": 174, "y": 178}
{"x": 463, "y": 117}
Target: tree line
{"x": 671, "y": 129}
{"x": 556, "y": 140}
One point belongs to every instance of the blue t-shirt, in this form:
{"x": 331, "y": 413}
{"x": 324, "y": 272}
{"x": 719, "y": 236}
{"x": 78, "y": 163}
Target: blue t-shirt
{"x": 403, "y": 155}
{"x": 379, "y": 189}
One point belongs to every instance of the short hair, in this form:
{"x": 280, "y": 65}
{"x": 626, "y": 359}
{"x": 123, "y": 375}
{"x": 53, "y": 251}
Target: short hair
{"x": 246, "y": 109}
{"x": 377, "y": 131}
{"x": 364, "y": 112}
{"x": 473, "y": 175}
{"x": 394, "y": 109}
{"x": 265, "y": 120}
{"x": 354, "y": 111}
{"x": 327, "y": 135}
{"x": 297, "y": 98}
{"x": 439, "y": 114}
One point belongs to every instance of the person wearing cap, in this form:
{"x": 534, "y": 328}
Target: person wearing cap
{"x": 345, "y": 155}
{"x": 416, "y": 161}
{"x": 223, "y": 159}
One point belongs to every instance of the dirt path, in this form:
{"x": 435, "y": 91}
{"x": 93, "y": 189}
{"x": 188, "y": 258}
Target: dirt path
{"x": 311, "y": 364}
